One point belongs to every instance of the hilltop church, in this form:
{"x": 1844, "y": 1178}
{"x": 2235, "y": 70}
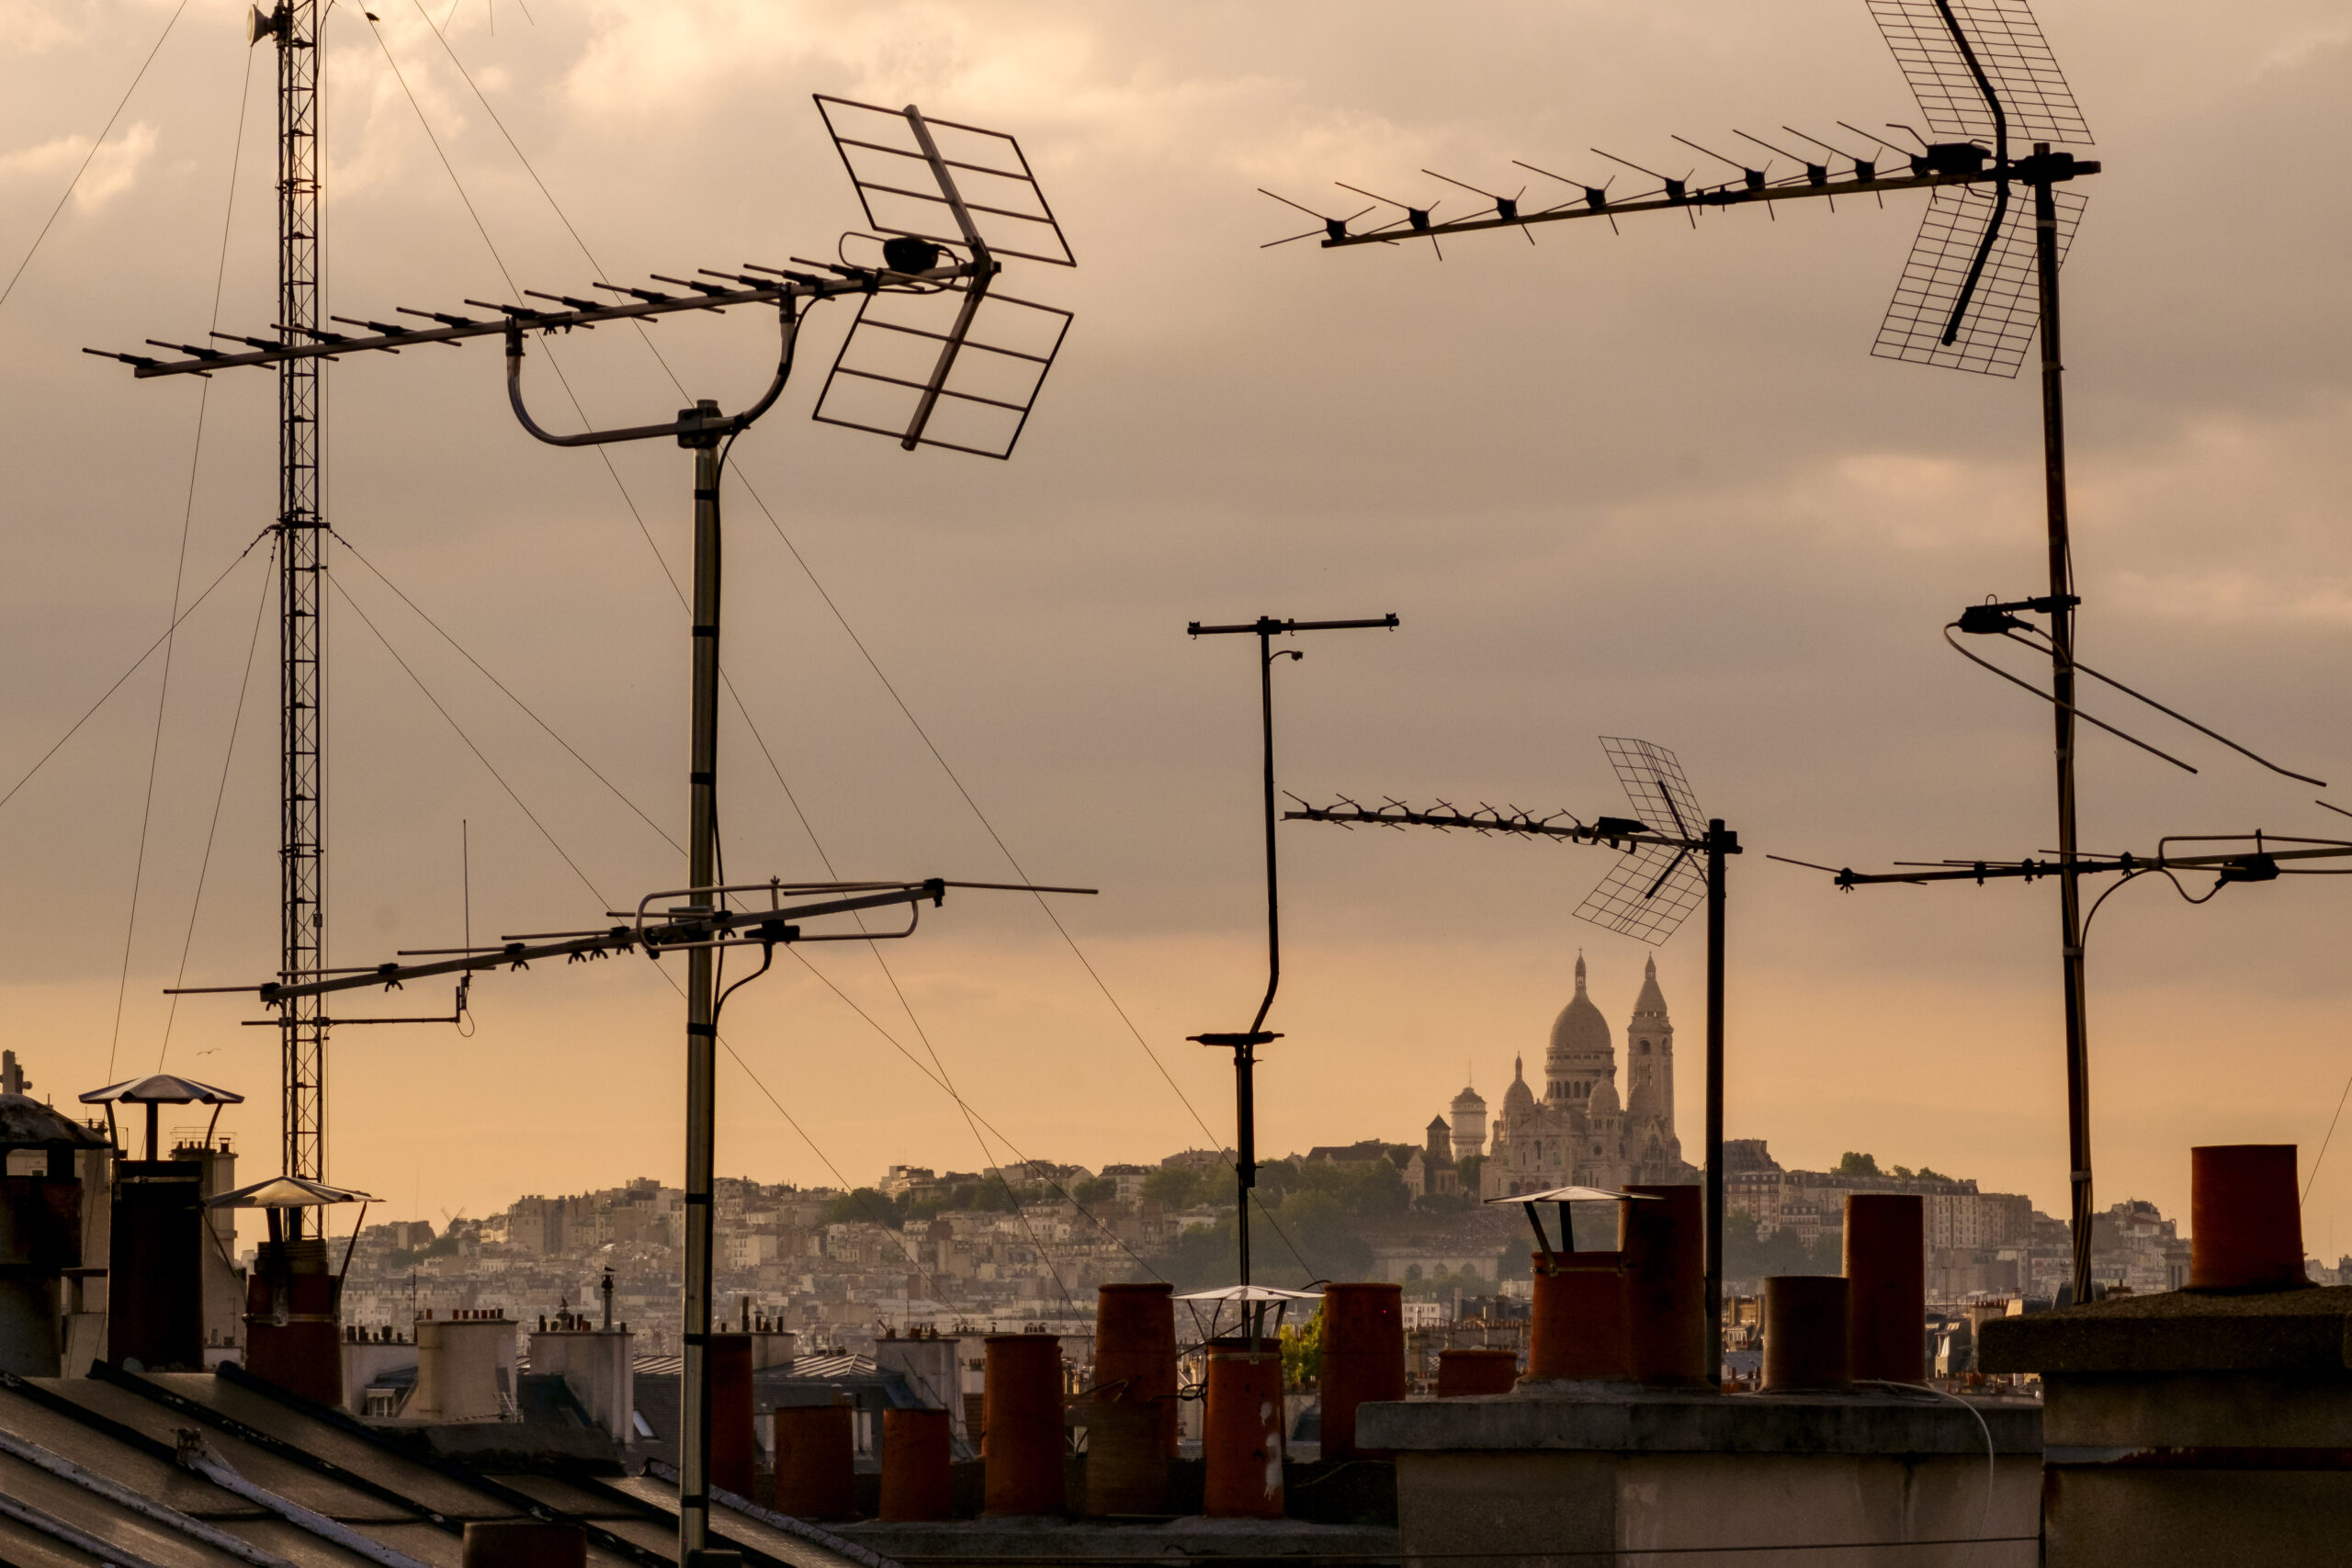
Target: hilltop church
{"x": 1579, "y": 1132}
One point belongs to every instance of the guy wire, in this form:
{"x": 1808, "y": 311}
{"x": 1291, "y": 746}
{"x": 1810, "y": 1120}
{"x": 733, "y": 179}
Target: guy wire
{"x": 136, "y": 664}
{"x": 757, "y": 500}
{"x": 219, "y": 794}
{"x": 179, "y": 582}
{"x": 96, "y": 143}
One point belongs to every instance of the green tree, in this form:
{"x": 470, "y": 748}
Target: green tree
{"x": 1176, "y": 1188}
{"x": 1101, "y": 1189}
{"x": 1302, "y": 1351}
{"x": 1748, "y": 1256}
{"x": 1364, "y": 1187}
{"x": 1852, "y": 1164}
{"x": 867, "y": 1204}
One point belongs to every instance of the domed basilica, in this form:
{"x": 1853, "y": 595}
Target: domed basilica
{"x": 1579, "y": 1132}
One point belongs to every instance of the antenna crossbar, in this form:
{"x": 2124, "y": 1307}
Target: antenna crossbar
{"x": 2259, "y": 859}
{"x": 1615, "y": 831}
{"x": 2054, "y": 166}
{"x": 796, "y": 286}
{"x": 653, "y": 931}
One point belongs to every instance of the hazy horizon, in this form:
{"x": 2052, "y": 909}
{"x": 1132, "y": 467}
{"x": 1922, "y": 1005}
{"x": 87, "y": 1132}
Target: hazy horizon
{"x": 1648, "y": 483}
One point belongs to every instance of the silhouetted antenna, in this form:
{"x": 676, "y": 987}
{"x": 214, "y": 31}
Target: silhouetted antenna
{"x": 1814, "y": 173}
{"x": 1416, "y": 219}
{"x": 1677, "y": 191}
{"x": 2001, "y": 620}
{"x": 1671, "y": 857}
{"x": 943, "y": 181}
{"x": 946, "y": 202}
{"x": 1506, "y": 207}
{"x": 1651, "y": 891}
{"x": 1982, "y": 75}
{"x": 1244, "y": 1043}
{"x": 1596, "y": 197}
{"x": 1332, "y": 228}
{"x": 1966, "y": 299}
{"x": 1956, "y": 52}
{"x": 1753, "y": 178}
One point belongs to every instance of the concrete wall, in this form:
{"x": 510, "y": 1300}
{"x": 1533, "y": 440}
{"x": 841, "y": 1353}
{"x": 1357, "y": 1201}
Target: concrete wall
{"x": 364, "y": 1361}
{"x": 465, "y": 1369}
{"x": 929, "y": 1367}
{"x": 2199, "y": 1467}
{"x": 598, "y": 1366}
{"x": 224, "y": 1282}
{"x": 1544, "y": 1504}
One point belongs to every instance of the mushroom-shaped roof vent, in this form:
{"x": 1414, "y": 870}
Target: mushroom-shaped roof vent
{"x": 286, "y": 1193}
{"x": 162, "y": 1089}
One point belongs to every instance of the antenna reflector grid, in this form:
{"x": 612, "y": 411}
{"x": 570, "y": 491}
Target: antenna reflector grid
{"x": 903, "y": 194}
{"x": 1651, "y": 890}
{"x": 887, "y": 364}
{"x": 2003, "y": 311}
{"x": 1653, "y": 782}
{"x": 2007, "y": 43}
{"x": 1623, "y": 900}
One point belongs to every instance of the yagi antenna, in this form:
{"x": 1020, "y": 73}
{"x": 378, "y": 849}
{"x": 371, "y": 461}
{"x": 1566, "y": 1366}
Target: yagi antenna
{"x": 937, "y": 356}
{"x": 1670, "y": 860}
{"x": 1979, "y": 286}
{"x": 1506, "y": 207}
{"x": 1416, "y": 219}
{"x": 1332, "y": 228}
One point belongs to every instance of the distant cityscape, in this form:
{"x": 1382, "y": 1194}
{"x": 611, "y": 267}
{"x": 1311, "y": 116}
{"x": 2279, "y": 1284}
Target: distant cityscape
{"x": 1029, "y": 1242}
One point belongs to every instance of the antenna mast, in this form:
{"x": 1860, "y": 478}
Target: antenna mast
{"x": 302, "y": 637}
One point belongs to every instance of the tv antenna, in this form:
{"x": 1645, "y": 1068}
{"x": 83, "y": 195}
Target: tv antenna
{"x": 1670, "y": 861}
{"x": 1244, "y": 1043}
{"x": 1980, "y": 284}
{"x": 945, "y": 201}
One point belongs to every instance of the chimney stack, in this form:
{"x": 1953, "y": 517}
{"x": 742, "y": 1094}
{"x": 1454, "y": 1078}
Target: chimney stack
{"x": 2246, "y": 1219}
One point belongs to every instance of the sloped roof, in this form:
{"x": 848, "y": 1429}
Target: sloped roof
{"x": 203, "y": 1470}
{"x": 25, "y": 1123}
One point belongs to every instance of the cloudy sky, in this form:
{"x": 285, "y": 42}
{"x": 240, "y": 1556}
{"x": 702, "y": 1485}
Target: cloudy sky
{"x": 1647, "y": 483}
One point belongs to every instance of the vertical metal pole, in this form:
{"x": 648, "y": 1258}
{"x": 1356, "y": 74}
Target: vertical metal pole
{"x": 1244, "y": 1056}
{"x": 1273, "y": 899}
{"x": 1245, "y": 1122}
{"x": 302, "y": 1028}
{"x": 702, "y": 1029}
{"x": 2062, "y": 685}
{"x": 1713, "y": 1287}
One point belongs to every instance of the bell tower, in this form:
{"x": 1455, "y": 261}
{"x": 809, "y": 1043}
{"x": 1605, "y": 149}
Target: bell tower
{"x": 1649, "y": 1062}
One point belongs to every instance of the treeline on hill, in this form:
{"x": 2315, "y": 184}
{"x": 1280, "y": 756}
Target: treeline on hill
{"x": 1750, "y": 1256}
{"x": 1307, "y": 1223}
{"x": 986, "y": 1194}
{"x": 442, "y": 1246}
{"x": 1307, "y": 1212}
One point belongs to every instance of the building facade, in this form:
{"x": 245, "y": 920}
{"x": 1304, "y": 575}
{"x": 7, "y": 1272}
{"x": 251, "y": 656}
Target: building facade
{"x": 1580, "y": 1132}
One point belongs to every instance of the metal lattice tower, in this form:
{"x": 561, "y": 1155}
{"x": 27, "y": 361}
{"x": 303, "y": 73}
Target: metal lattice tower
{"x": 301, "y": 545}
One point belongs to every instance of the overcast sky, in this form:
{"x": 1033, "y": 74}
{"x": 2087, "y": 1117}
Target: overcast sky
{"x": 1646, "y": 483}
